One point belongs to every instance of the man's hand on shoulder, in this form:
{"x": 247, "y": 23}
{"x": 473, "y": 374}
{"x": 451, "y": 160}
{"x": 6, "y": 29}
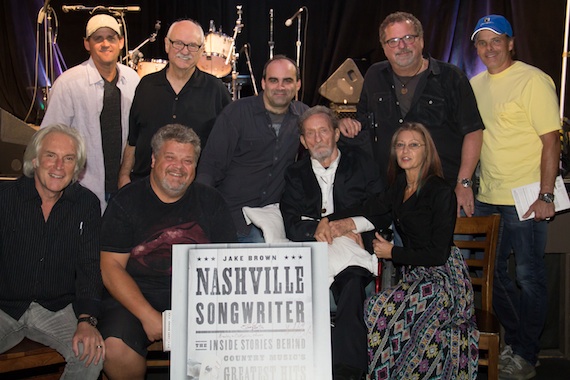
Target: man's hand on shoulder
{"x": 349, "y": 127}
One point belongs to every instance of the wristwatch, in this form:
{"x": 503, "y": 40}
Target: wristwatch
{"x": 90, "y": 319}
{"x": 546, "y": 197}
{"x": 465, "y": 182}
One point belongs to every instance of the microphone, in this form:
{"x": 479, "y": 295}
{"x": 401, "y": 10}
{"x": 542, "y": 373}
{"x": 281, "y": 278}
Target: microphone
{"x": 132, "y": 8}
{"x": 157, "y": 26}
{"x": 68, "y": 8}
{"x": 289, "y": 21}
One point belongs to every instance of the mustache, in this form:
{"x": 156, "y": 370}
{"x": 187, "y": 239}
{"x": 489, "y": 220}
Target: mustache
{"x": 183, "y": 56}
{"x": 404, "y": 51}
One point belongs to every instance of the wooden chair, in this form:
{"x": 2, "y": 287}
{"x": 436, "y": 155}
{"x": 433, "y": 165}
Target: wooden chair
{"x": 485, "y": 230}
{"x": 28, "y": 355}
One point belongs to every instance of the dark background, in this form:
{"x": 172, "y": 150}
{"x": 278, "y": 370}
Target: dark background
{"x": 335, "y": 30}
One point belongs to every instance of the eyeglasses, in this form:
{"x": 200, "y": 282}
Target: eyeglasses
{"x": 407, "y": 40}
{"x": 411, "y": 146}
{"x": 179, "y": 45}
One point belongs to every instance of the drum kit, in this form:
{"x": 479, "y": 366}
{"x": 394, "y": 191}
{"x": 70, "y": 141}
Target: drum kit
{"x": 218, "y": 59}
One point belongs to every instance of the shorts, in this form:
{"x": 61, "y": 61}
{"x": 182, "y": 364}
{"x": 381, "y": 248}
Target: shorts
{"x": 116, "y": 321}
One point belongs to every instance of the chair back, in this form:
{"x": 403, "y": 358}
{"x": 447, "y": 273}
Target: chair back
{"x": 483, "y": 246}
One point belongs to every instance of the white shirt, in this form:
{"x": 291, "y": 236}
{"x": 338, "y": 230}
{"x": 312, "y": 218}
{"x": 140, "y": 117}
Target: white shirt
{"x": 325, "y": 178}
{"x": 76, "y": 100}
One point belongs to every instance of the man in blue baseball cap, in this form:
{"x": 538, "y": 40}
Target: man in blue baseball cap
{"x": 519, "y": 107}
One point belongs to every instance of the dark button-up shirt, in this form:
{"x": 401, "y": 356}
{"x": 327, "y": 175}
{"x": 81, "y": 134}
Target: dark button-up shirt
{"x": 443, "y": 101}
{"x": 53, "y": 262}
{"x": 245, "y": 159}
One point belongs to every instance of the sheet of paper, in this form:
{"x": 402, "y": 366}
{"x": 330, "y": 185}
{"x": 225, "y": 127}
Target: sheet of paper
{"x": 526, "y": 195}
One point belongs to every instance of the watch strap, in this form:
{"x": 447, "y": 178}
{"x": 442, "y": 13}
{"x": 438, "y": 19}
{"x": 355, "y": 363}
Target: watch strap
{"x": 90, "y": 319}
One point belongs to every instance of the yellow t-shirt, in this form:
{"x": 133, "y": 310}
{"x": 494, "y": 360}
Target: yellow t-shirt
{"x": 517, "y": 106}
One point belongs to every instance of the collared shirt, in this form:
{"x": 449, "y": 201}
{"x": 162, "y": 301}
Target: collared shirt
{"x": 156, "y": 104}
{"x": 443, "y": 102}
{"x": 76, "y": 100}
{"x": 244, "y": 158}
{"x": 325, "y": 178}
{"x": 53, "y": 262}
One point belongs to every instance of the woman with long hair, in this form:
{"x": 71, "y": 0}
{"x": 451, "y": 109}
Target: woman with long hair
{"x": 423, "y": 327}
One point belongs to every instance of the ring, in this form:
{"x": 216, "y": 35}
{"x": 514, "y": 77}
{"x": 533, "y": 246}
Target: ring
{"x": 99, "y": 346}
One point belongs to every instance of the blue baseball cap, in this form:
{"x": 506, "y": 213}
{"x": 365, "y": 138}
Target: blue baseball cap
{"x": 495, "y": 23}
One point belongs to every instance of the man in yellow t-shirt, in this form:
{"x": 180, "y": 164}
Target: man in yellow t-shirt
{"x": 519, "y": 108}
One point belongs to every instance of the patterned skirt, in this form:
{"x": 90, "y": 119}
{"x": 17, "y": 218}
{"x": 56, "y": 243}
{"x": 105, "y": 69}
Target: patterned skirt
{"x": 424, "y": 327}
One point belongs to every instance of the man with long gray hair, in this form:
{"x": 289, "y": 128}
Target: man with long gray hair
{"x": 50, "y": 281}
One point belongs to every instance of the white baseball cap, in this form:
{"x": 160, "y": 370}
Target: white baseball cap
{"x": 101, "y": 21}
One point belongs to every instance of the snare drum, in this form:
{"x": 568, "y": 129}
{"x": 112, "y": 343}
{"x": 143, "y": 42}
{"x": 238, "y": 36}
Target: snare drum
{"x": 216, "y": 50}
{"x": 152, "y": 66}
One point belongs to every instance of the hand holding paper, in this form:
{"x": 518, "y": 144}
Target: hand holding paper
{"x": 526, "y": 196}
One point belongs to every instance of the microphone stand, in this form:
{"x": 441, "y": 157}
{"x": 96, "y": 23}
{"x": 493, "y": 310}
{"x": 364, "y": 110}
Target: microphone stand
{"x": 271, "y": 42}
{"x": 135, "y": 54}
{"x": 47, "y": 12}
{"x": 298, "y": 45}
{"x": 248, "y": 61}
{"x": 232, "y": 52}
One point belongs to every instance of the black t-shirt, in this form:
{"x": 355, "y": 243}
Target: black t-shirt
{"x": 138, "y": 223}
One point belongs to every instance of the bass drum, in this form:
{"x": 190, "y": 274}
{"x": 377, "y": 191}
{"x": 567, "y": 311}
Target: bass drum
{"x": 216, "y": 50}
{"x": 150, "y": 66}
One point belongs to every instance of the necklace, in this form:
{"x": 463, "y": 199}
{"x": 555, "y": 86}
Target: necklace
{"x": 404, "y": 89}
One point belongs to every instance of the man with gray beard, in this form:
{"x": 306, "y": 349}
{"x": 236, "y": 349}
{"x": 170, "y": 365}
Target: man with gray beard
{"x": 179, "y": 93}
{"x": 332, "y": 180}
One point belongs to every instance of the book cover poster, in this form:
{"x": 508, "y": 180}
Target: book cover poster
{"x": 250, "y": 313}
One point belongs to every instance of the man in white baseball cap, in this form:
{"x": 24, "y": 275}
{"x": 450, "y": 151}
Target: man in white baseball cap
{"x": 102, "y": 21}
{"x": 95, "y": 98}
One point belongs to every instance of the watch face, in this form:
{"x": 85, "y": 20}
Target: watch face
{"x": 466, "y": 182}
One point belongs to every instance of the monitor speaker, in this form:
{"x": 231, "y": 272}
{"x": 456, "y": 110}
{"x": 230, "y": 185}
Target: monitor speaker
{"x": 344, "y": 85}
{"x": 14, "y": 136}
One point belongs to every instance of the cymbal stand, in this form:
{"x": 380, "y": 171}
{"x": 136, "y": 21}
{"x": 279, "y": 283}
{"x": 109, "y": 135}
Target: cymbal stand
{"x": 232, "y": 55}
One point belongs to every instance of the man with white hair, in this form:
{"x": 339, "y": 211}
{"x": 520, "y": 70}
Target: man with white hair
{"x": 180, "y": 93}
{"x": 333, "y": 180}
{"x": 95, "y": 98}
{"x": 50, "y": 281}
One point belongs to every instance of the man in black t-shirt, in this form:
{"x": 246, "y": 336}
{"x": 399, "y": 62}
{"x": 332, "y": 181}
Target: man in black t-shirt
{"x": 140, "y": 225}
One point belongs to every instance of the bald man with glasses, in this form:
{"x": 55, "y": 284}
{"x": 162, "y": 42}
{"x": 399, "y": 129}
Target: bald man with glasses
{"x": 180, "y": 93}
